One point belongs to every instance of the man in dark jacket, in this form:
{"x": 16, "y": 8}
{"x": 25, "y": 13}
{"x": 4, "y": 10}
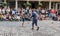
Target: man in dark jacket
{"x": 34, "y": 19}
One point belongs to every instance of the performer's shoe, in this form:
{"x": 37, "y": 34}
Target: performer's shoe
{"x": 37, "y": 28}
{"x": 32, "y": 28}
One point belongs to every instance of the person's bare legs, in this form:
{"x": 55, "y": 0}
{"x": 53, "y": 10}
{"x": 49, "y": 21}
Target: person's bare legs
{"x": 23, "y": 24}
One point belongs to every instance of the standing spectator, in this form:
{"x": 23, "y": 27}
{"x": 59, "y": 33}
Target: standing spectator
{"x": 27, "y": 10}
{"x": 23, "y": 17}
{"x": 30, "y": 13}
{"x": 27, "y": 13}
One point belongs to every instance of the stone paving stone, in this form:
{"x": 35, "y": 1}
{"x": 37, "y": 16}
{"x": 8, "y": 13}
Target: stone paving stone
{"x": 8, "y": 28}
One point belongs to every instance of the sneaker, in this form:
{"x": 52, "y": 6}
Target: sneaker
{"x": 37, "y": 28}
{"x": 32, "y": 28}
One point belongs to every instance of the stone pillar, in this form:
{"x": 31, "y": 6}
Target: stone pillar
{"x": 5, "y": 6}
{"x": 50, "y": 4}
{"x": 4, "y": 0}
{"x": 56, "y": 6}
{"x": 16, "y": 4}
{"x": 59, "y": 6}
{"x": 27, "y": 0}
{"x": 39, "y": 1}
{"x": 27, "y": 6}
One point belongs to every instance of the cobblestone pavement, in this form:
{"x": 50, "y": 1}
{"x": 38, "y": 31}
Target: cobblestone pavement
{"x": 47, "y": 28}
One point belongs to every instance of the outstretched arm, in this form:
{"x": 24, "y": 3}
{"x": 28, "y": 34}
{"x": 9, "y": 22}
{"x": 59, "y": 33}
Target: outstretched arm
{"x": 32, "y": 15}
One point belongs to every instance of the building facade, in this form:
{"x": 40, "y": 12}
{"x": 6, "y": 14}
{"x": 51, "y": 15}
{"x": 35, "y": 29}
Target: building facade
{"x": 48, "y": 4}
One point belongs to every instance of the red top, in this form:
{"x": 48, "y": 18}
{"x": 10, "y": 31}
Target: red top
{"x": 53, "y": 11}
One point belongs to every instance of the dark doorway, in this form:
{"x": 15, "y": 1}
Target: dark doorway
{"x": 34, "y": 4}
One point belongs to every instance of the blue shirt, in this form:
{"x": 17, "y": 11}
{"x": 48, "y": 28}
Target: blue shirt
{"x": 35, "y": 15}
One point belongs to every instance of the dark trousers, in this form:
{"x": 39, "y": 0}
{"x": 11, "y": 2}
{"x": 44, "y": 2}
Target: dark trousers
{"x": 34, "y": 22}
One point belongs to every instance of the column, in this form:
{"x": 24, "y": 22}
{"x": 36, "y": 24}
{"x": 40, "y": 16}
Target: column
{"x": 5, "y": 6}
{"x": 27, "y": 1}
{"x": 0, "y": 1}
{"x": 4, "y": 0}
{"x": 27, "y": 6}
{"x": 59, "y": 6}
{"x": 16, "y": 4}
{"x": 56, "y": 6}
{"x": 50, "y": 4}
{"x": 39, "y": 1}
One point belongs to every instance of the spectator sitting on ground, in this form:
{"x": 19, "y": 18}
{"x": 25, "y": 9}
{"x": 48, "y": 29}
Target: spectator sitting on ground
{"x": 18, "y": 17}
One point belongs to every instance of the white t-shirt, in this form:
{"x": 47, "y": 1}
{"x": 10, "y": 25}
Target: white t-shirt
{"x": 43, "y": 11}
{"x": 3, "y": 10}
{"x": 30, "y": 11}
{"x": 8, "y": 10}
{"x": 13, "y": 12}
{"x": 0, "y": 10}
{"x": 18, "y": 17}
